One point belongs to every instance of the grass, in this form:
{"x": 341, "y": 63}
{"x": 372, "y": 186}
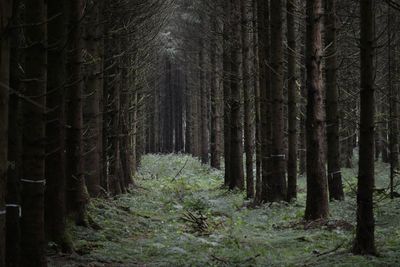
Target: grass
{"x": 190, "y": 220}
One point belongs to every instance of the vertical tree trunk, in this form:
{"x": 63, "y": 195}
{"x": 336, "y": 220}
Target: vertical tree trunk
{"x": 265, "y": 94}
{"x": 216, "y": 91}
{"x": 332, "y": 94}
{"x": 227, "y": 92}
{"x": 292, "y": 101}
{"x": 317, "y": 184}
{"x": 76, "y": 189}
{"x": 393, "y": 98}
{"x": 364, "y": 242}
{"x": 236, "y": 144}
{"x": 203, "y": 103}
{"x": 248, "y": 93}
{"x": 93, "y": 90}
{"x": 256, "y": 82}
{"x": 33, "y": 165}
{"x": 13, "y": 199}
{"x": 277, "y": 184}
{"x": 5, "y": 17}
{"x": 55, "y": 206}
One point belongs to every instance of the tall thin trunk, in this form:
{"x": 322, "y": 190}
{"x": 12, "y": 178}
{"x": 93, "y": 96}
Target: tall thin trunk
{"x": 55, "y": 206}
{"x": 33, "y": 164}
{"x": 13, "y": 198}
{"x": 216, "y": 91}
{"x": 292, "y": 101}
{"x": 265, "y": 93}
{"x": 236, "y": 145}
{"x": 256, "y": 82}
{"x": 277, "y": 187}
{"x": 393, "y": 98}
{"x": 364, "y": 242}
{"x": 227, "y": 92}
{"x": 203, "y": 104}
{"x": 332, "y": 94}
{"x": 317, "y": 183}
{"x": 5, "y": 19}
{"x": 94, "y": 89}
{"x": 77, "y": 197}
{"x": 248, "y": 93}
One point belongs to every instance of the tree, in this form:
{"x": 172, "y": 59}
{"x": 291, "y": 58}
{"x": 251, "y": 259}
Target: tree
{"x": 93, "y": 117}
{"x": 77, "y": 197}
{"x": 13, "y": 199}
{"x": 5, "y": 18}
{"x": 364, "y": 242}
{"x": 332, "y": 115}
{"x": 317, "y": 184}
{"x": 33, "y": 163}
{"x": 216, "y": 93}
{"x": 227, "y": 90}
{"x": 277, "y": 187}
{"x": 55, "y": 205}
{"x": 236, "y": 146}
{"x": 248, "y": 93}
{"x": 264, "y": 77}
{"x": 292, "y": 101}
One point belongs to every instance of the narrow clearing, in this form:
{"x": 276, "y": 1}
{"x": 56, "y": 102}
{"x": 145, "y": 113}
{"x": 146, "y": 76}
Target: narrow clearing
{"x": 179, "y": 215}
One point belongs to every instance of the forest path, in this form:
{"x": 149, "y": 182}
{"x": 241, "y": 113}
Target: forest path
{"x": 181, "y": 216}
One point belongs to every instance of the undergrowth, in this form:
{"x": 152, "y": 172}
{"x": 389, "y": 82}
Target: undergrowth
{"x": 180, "y": 215}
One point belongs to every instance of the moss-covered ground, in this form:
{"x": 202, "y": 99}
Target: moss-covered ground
{"x": 180, "y": 215}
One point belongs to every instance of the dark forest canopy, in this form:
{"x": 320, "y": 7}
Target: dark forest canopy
{"x": 263, "y": 93}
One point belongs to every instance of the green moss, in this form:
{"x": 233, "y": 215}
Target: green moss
{"x": 146, "y": 226}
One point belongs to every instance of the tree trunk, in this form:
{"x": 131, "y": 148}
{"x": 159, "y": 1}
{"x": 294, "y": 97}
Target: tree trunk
{"x": 236, "y": 145}
{"x": 13, "y": 198}
{"x": 364, "y": 242}
{"x": 33, "y": 165}
{"x": 332, "y": 94}
{"x": 265, "y": 94}
{"x": 77, "y": 197}
{"x": 216, "y": 92}
{"x": 248, "y": 93}
{"x": 55, "y": 206}
{"x": 6, "y": 8}
{"x": 227, "y": 92}
{"x": 393, "y": 96}
{"x": 203, "y": 103}
{"x": 292, "y": 101}
{"x": 317, "y": 184}
{"x": 93, "y": 116}
{"x": 277, "y": 184}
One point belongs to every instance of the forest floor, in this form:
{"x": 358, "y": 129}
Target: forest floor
{"x": 179, "y": 215}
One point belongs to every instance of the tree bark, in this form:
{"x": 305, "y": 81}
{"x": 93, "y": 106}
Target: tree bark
{"x": 33, "y": 165}
{"x": 5, "y": 19}
{"x": 317, "y": 184}
{"x": 55, "y": 206}
{"x": 227, "y": 92}
{"x": 332, "y": 94}
{"x": 93, "y": 117}
{"x": 248, "y": 93}
{"x": 265, "y": 94}
{"x": 364, "y": 242}
{"x": 13, "y": 198}
{"x": 77, "y": 196}
{"x": 236, "y": 145}
{"x": 277, "y": 187}
{"x": 292, "y": 101}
